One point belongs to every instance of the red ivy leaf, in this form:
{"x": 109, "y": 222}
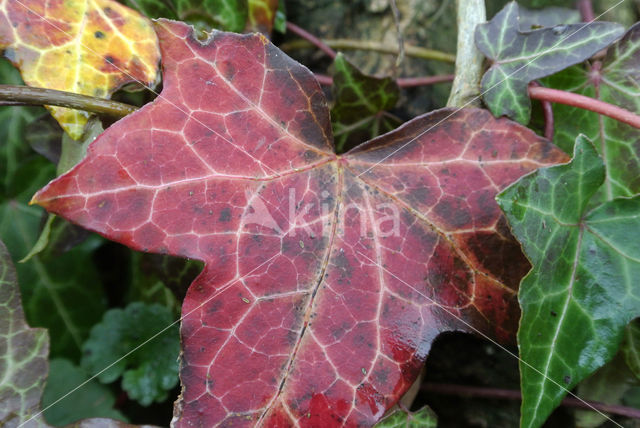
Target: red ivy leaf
{"x": 327, "y": 277}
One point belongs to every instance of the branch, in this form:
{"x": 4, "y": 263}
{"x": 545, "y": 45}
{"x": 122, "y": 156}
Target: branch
{"x": 311, "y": 39}
{"x": 366, "y": 45}
{"x": 407, "y": 82}
{"x": 512, "y": 394}
{"x": 27, "y": 95}
{"x": 587, "y": 103}
{"x": 466, "y": 86}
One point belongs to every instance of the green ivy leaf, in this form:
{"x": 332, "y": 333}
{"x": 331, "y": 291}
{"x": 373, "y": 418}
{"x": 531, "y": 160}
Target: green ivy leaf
{"x": 423, "y": 418}
{"x": 149, "y": 372}
{"x": 614, "y": 80}
{"x": 631, "y": 347}
{"x": 357, "y": 101}
{"x": 227, "y": 15}
{"x": 582, "y": 290}
{"x": 24, "y": 353}
{"x": 154, "y": 8}
{"x": 64, "y": 294}
{"x": 93, "y": 400}
{"x": 607, "y": 385}
{"x": 13, "y": 120}
{"x": 533, "y": 19}
{"x": 518, "y": 57}
{"x": 159, "y": 278}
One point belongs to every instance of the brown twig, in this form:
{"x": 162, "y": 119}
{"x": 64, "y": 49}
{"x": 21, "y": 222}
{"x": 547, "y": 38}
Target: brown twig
{"x": 407, "y": 82}
{"x": 587, "y": 103}
{"x": 311, "y": 38}
{"x": 368, "y": 45}
{"x": 27, "y": 95}
{"x": 512, "y": 394}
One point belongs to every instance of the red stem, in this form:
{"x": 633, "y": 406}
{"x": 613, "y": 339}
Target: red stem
{"x": 587, "y": 103}
{"x": 586, "y": 10}
{"x": 511, "y": 394}
{"x": 312, "y": 39}
{"x": 402, "y": 82}
{"x": 547, "y": 111}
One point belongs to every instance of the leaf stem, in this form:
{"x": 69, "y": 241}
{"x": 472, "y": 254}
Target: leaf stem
{"x": 311, "y": 39}
{"x": 466, "y": 86}
{"x": 367, "y": 45}
{"x": 587, "y": 103}
{"x": 547, "y": 111}
{"x": 27, "y": 95}
{"x": 586, "y": 10}
{"x": 512, "y": 394}
{"x": 407, "y": 82}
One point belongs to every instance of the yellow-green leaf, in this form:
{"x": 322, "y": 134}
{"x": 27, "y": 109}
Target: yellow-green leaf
{"x": 89, "y": 47}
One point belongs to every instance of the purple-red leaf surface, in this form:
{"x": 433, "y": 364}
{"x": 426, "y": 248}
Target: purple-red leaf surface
{"x": 327, "y": 277}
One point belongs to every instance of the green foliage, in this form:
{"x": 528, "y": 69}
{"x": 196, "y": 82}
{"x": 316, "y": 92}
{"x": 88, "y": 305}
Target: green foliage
{"x": 92, "y": 400}
{"x": 147, "y": 373}
{"x": 358, "y": 101}
{"x": 62, "y": 294}
{"x": 631, "y": 347}
{"x": 23, "y": 363}
{"x": 423, "y": 418}
{"x": 581, "y": 291}
{"x": 518, "y": 58}
{"x": 607, "y": 385}
{"x": 227, "y": 15}
{"x": 614, "y": 80}
{"x": 13, "y": 150}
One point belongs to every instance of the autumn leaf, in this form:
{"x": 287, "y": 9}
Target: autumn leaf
{"x": 326, "y": 277}
{"x": 90, "y": 47}
{"x": 519, "y": 57}
{"x": 581, "y": 292}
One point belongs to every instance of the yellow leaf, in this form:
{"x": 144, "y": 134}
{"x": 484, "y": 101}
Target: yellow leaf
{"x": 89, "y": 47}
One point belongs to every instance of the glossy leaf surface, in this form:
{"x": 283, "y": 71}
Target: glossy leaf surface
{"x": 24, "y": 352}
{"x": 520, "y": 57}
{"x": 91, "y": 47}
{"x": 151, "y": 371}
{"x": 582, "y": 290}
{"x": 614, "y": 80}
{"x": 326, "y": 277}
{"x": 358, "y": 101}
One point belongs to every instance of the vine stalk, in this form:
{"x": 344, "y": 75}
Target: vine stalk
{"x": 466, "y": 85}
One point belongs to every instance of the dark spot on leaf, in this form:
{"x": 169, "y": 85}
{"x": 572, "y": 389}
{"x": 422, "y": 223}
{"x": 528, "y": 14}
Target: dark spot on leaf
{"x": 99, "y": 35}
{"x": 225, "y": 215}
